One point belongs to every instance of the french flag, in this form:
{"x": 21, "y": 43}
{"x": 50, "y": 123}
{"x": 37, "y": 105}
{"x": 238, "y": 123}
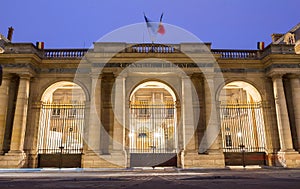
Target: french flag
{"x": 154, "y": 27}
{"x": 161, "y": 29}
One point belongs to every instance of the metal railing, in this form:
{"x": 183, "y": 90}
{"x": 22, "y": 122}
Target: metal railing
{"x": 245, "y": 149}
{"x": 152, "y": 127}
{"x": 64, "y": 53}
{"x": 237, "y": 54}
{"x": 174, "y": 48}
{"x": 151, "y": 48}
{"x": 61, "y": 128}
{"x": 242, "y": 127}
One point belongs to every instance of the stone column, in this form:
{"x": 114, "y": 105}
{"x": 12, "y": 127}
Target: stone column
{"x": 283, "y": 122}
{"x": 20, "y": 118}
{"x": 33, "y": 134}
{"x": 211, "y": 141}
{"x": 119, "y": 114}
{"x": 4, "y": 90}
{"x": 94, "y": 115}
{"x": 295, "y": 85}
{"x": 188, "y": 115}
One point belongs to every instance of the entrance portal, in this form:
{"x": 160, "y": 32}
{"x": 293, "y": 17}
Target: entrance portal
{"x": 242, "y": 125}
{"x": 152, "y": 133}
{"x": 61, "y": 126}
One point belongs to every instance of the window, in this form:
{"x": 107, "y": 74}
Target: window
{"x": 55, "y": 112}
{"x": 144, "y": 113}
{"x": 228, "y": 140}
{"x": 170, "y": 112}
{"x": 72, "y": 112}
{"x": 142, "y": 135}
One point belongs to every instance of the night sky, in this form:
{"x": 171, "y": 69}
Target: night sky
{"x": 229, "y": 24}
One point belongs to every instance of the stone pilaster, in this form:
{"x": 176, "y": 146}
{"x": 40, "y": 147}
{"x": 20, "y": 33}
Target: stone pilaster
{"x": 20, "y": 118}
{"x": 16, "y": 158}
{"x": 34, "y": 135}
{"x": 295, "y": 83}
{"x": 94, "y": 127}
{"x": 188, "y": 115}
{"x": 4, "y": 90}
{"x": 210, "y": 143}
{"x": 118, "y": 154}
{"x": 212, "y": 137}
{"x": 283, "y": 122}
{"x": 119, "y": 113}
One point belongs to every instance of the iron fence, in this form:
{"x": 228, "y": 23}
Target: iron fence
{"x": 152, "y": 127}
{"x": 242, "y": 127}
{"x": 61, "y": 128}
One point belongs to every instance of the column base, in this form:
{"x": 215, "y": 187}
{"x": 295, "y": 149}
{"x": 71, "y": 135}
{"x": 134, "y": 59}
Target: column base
{"x": 288, "y": 159}
{"x": 115, "y": 159}
{"x": 192, "y": 159}
{"x": 13, "y": 159}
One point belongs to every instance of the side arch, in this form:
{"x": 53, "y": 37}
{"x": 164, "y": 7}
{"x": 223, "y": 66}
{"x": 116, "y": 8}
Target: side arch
{"x": 254, "y": 85}
{"x": 58, "y": 82}
{"x": 242, "y": 124}
{"x": 61, "y": 125}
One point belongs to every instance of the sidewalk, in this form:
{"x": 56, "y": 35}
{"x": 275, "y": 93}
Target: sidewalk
{"x": 146, "y": 171}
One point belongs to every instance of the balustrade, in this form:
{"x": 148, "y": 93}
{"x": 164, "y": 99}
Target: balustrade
{"x": 65, "y": 53}
{"x": 236, "y": 54}
{"x": 161, "y": 48}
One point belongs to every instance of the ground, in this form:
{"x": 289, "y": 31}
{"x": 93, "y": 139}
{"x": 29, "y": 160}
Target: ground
{"x": 147, "y": 178}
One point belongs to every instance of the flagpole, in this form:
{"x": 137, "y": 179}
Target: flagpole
{"x": 150, "y": 26}
{"x": 149, "y": 32}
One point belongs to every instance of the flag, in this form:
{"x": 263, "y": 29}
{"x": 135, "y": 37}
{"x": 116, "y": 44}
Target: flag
{"x": 40, "y": 45}
{"x": 154, "y": 28}
{"x": 161, "y": 29}
{"x": 260, "y": 45}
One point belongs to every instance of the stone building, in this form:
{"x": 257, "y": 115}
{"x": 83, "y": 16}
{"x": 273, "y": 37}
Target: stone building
{"x": 137, "y": 105}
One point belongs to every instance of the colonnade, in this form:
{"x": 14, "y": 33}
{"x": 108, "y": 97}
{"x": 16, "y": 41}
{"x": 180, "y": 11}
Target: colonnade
{"x": 93, "y": 129}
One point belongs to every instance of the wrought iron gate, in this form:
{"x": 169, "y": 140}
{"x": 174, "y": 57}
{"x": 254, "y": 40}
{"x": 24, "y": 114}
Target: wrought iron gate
{"x": 243, "y": 133}
{"x": 152, "y": 137}
{"x": 60, "y": 135}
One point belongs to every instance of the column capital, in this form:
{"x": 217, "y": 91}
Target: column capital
{"x": 183, "y": 76}
{"x": 277, "y": 75}
{"x": 7, "y": 76}
{"x": 121, "y": 73}
{"x": 96, "y": 75}
{"x": 25, "y": 76}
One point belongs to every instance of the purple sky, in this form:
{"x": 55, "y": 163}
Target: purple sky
{"x": 229, "y": 24}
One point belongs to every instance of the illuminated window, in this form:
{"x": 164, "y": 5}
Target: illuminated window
{"x": 56, "y": 112}
{"x": 228, "y": 140}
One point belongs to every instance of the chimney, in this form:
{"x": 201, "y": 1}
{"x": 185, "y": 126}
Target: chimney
{"x": 10, "y": 33}
{"x": 276, "y": 36}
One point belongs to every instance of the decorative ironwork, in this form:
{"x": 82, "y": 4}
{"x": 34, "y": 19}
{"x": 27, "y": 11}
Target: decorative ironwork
{"x": 152, "y": 127}
{"x": 61, "y": 129}
{"x": 242, "y": 127}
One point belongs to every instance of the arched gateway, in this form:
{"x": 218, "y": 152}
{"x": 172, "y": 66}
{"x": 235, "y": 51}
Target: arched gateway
{"x": 60, "y": 142}
{"x": 152, "y": 127}
{"x": 242, "y": 124}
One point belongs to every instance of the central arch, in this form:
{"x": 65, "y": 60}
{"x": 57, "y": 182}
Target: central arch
{"x": 152, "y": 125}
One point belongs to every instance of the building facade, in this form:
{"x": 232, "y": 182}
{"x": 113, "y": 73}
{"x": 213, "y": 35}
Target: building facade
{"x": 136, "y": 105}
